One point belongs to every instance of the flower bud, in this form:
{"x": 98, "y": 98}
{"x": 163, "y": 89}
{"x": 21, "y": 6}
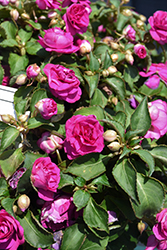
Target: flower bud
{"x": 25, "y": 16}
{"x": 107, "y": 39}
{"x": 4, "y": 2}
{"x": 14, "y": 14}
{"x": 6, "y": 118}
{"x": 114, "y": 45}
{"x": 21, "y": 79}
{"x": 105, "y": 73}
{"x": 114, "y": 100}
{"x": 114, "y": 146}
{"x": 114, "y": 57}
{"x": 127, "y": 12}
{"x": 141, "y": 226}
{"x": 47, "y": 107}
{"x": 84, "y": 46}
{"x": 110, "y": 135}
{"x": 52, "y": 14}
{"x": 32, "y": 71}
{"x": 143, "y": 18}
{"x": 23, "y": 202}
{"x": 129, "y": 58}
{"x": 112, "y": 70}
{"x": 23, "y": 118}
{"x": 14, "y": 208}
{"x": 89, "y": 73}
{"x": 125, "y": 1}
{"x": 49, "y": 142}
{"x": 53, "y": 22}
{"x": 139, "y": 24}
{"x": 20, "y": 128}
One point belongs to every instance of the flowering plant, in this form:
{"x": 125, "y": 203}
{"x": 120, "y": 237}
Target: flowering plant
{"x": 83, "y": 162}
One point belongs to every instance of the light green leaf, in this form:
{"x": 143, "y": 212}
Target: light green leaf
{"x": 94, "y": 64}
{"x": 10, "y": 134}
{"x": 92, "y": 83}
{"x": 10, "y": 29}
{"x": 81, "y": 198}
{"x": 117, "y": 85}
{"x": 17, "y": 63}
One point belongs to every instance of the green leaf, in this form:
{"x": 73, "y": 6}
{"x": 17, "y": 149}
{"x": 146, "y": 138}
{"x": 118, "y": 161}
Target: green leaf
{"x": 95, "y": 216}
{"x": 131, "y": 75}
{"x": 100, "y": 51}
{"x": 33, "y": 46}
{"x": 10, "y": 29}
{"x": 140, "y": 119}
{"x": 35, "y": 25}
{"x": 81, "y": 198}
{"x": 22, "y": 93}
{"x": 34, "y": 233}
{"x": 10, "y": 160}
{"x": 14, "y": 78}
{"x": 88, "y": 166}
{"x": 117, "y": 85}
{"x": 99, "y": 98}
{"x": 121, "y": 117}
{"x": 79, "y": 181}
{"x": 160, "y": 153}
{"x": 20, "y": 107}
{"x": 103, "y": 180}
{"x": 9, "y": 136}
{"x": 24, "y": 35}
{"x": 125, "y": 175}
{"x": 92, "y": 110}
{"x": 147, "y": 158}
{"x": 3, "y": 125}
{"x": 150, "y": 202}
{"x": 17, "y": 63}
{"x": 117, "y": 126}
{"x": 8, "y": 43}
{"x": 73, "y": 237}
{"x": 125, "y": 151}
{"x": 107, "y": 61}
{"x": 116, "y": 3}
{"x": 92, "y": 83}
{"x": 7, "y": 204}
{"x": 36, "y": 122}
{"x": 151, "y": 92}
{"x": 121, "y": 21}
{"x": 92, "y": 243}
{"x": 65, "y": 180}
{"x": 37, "y": 95}
{"x": 94, "y": 64}
{"x": 3, "y": 188}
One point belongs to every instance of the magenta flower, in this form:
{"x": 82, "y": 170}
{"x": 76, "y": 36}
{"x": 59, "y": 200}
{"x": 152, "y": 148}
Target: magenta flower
{"x": 158, "y": 24}
{"x": 45, "y": 177}
{"x": 84, "y": 135}
{"x": 130, "y": 33}
{"x": 140, "y": 51}
{"x": 48, "y": 4}
{"x": 58, "y": 40}
{"x": 158, "y": 114}
{"x": 47, "y": 107}
{"x": 156, "y": 73}
{"x": 32, "y": 71}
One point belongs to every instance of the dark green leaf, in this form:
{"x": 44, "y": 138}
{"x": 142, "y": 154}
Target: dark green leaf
{"x": 107, "y": 61}
{"x": 140, "y": 119}
{"x": 10, "y": 160}
{"x": 79, "y": 181}
{"x": 150, "y": 202}
{"x": 3, "y": 126}
{"x": 24, "y": 35}
{"x": 125, "y": 175}
{"x": 103, "y": 180}
{"x": 36, "y": 122}
{"x": 65, "y": 180}
{"x": 99, "y": 98}
{"x": 3, "y": 188}
{"x": 10, "y": 29}
{"x": 94, "y": 110}
{"x": 22, "y": 93}
{"x": 121, "y": 21}
{"x": 88, "y": 166}
{"x": 1, "y": 74}
{"x": 7, "y": 204}
{"x": 94, "y": 64}
{"x": 160, "y": 153}
{"x": 131, "y": 75}
{"x": 117, "y": 85}
{"x": 92, "y": 83}
{"x": 95, "y": 216}
{"x": 17, "y": 63}
{"x": 9, "y": 136}
{"x": 81, "y": 198}
{"x": 34, "y": 233}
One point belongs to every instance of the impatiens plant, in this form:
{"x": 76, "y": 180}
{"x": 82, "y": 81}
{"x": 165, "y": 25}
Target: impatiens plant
{"x": 83, "y": 161}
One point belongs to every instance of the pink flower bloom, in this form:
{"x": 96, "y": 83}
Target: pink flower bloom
{"x": 48, "y": 4}
{"x": 47, "y": 107}
{"x": 4, "y": 2}
{"x": 158, "y": 24}
{"x": 58, "y": 214}
{"x": 112, "y": 217}
{"x": 16, "y": 176}
{"x": 32, "y": 71}
{"x": 6, "y": 78}
{"x": 76, "y": 19}
{"x": 49, "y": 142}
{"x": 84, "y": 135}
{"x": 63, "y": 83}
{"x": 133, "y": 102}
{"x": 11, "y": 232}
{"x": 140, "y": 50}
{"x": 158, "y": 114}
{"x": 45, "y": 176}
{"x": 159, "y": 239}
{"x": 130, "y": 33}
{"x": 101, "y": 28}
{"x": 58, "y": 40}
{"x": 156, "y": 73}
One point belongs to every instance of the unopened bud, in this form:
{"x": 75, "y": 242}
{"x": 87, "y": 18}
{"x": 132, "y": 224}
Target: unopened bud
{"x": 89, "y": 73}
{"x": 127, "y": 12}
{"x": 14, "y": 14}
{"x": 139, "y": 24}
{"x": 141, "y": 226}
{"x": 115, "y": 100}
{"x": 114, "y": 146}
{"x": 23, "y": 51}
{"x": 14, "y": 208}
{"x": 53, "y": 22}
{"x": 25, "y": 16}
{"x": 114, "y": 45}
{"x": 6, "y": 118}
{"x": 110, "y": 135}
{"x": 23, "y": 202}
{"x": 114, "y": 57}
{"x": 21, "y": 129}
{"x": 62, "y": 22}
{"x": 112, "y": 70}
{"x": 12, "y": 1}
{"x": 129, "y": 58}
{"x": 125, "y": 1}
{"x": 105, "y": 73}
{"x": 32, "y": 71}
{"x": 99, "y": 60}
{"x": 23, "y": 118}
{"x": 52, "y": 14}
{"x": 21, "y": 79}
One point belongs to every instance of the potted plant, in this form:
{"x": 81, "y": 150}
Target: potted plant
{"x": 83, "y": 161}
